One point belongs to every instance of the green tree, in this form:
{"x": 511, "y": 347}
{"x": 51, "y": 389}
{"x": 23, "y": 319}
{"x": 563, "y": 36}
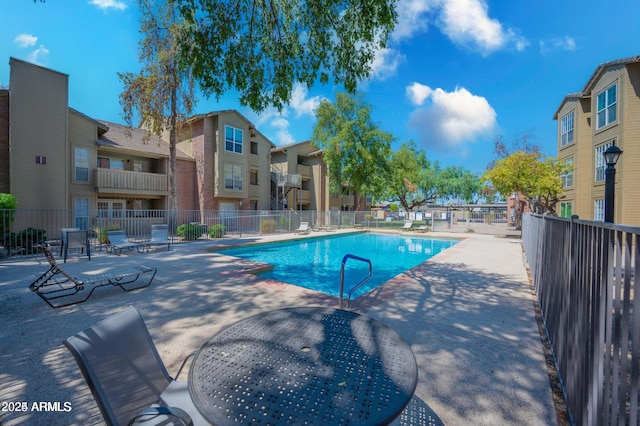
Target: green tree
{"x": 458, "y": 183}
{"x": 161, "y": 95}
{"x": 8, "y": 204}
{"x": 536, "y": 178}
{"x": 262, "y": 48}
{"x": 409, "y": 177}
{"x": 356, "y": 151}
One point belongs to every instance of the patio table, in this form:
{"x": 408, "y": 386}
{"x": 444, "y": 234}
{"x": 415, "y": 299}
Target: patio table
{"x": 307, "y": 365}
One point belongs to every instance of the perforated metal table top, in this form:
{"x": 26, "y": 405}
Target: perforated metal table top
{"x": 305, "y": 365}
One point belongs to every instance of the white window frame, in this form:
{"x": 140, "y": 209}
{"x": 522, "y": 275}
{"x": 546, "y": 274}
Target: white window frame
{"x": 600, "y": 164}
{"x": 607, "y": 106}
{"x": 233, "y": 142}
{"x": 81, "y": 164}
{"x": 598, "y": 210}
{"x": 566, "y": 129}
{"x": 567, "y": 178}
{"x": 233, "y": 177}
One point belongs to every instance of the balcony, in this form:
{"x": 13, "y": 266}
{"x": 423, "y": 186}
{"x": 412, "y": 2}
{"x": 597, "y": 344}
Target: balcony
{"x": 127, "y": 182}
{"x": 305, "y": 171}
{"x": 254, "y": 191}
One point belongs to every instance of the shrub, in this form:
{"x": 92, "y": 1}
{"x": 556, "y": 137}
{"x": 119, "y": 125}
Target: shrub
{"x": 190, "y": 231}
{"x": 25, "y": 239}
{"x": 217, "y": 231}
{"x": 101, "y": 233}
{"x": 8, "y": 204}
{"x": 267, "y": 226}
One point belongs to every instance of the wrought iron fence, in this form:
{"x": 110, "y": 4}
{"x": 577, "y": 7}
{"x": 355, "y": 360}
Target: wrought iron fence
{"x": 584, "y": 276}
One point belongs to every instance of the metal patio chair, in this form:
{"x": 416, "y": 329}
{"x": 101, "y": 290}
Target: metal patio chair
{"x": 77, "y": 239}
{"x": 159, "y": 236}
{"x": 118, "y": 240}
{"x": 126, "y": 375}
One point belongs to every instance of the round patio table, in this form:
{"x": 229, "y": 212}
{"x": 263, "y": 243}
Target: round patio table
{"x": 305, "y": 365}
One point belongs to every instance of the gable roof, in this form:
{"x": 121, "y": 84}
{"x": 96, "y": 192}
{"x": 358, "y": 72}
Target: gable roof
{"x": 135, "y": 140}
{"x": 586, "y": 90}
{"x": 252, "y": 127}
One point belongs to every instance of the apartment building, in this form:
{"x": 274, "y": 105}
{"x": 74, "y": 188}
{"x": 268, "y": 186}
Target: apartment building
{"x": 54, "y": 157}
{"x": 301, "y": 182}
{"x": 605, "y": 112}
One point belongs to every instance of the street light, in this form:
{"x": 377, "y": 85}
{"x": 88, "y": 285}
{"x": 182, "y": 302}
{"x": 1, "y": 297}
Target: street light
{"x": 611, "y": 156}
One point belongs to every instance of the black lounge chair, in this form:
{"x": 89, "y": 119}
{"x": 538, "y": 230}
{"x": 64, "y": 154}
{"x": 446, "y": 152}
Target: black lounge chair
{"x": 118, "y": 241}
{"x": 126, "y": 375}
{"x": 56, "y": 284}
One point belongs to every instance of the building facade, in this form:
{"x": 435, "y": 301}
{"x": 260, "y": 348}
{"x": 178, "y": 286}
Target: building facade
{"x": 606, "y": 112}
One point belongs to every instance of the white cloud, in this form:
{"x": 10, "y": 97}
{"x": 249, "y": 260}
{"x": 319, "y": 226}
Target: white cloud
{"x": 109, "y": 4}
{"x": 38, "y": 55}
{"x": 565, "y": 43}
{"x": 447, "y": 120}
{"x": 301, "y": 104}
{"x": 467, "y": 23}
{"x": 25, "y": 40}
{"x": 385, "y": 64}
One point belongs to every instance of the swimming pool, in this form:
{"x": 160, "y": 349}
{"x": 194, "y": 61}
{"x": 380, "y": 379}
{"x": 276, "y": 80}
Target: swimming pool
{"x": 315, "y": 263}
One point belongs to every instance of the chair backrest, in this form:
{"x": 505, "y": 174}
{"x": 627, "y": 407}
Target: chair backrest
{"x": 408, "y": 224}
{"x": 64, "y": 231}
{"x": 117, "y": 237}
{"x": 159, "y": 232}
{"x": 77, "y": 239}
{"x": 304, "y": 225}
{"x": 121, "y": 365}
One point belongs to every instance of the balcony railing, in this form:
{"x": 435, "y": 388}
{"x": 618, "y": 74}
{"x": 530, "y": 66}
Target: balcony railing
{"x": 124, "y": 181}
{"x": 305, "y": 171}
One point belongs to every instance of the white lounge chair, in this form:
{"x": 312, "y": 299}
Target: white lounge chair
{"x": 422, "y": 228}
{"x": 302, "y": 229}
{"x": 118, "y": 241}
{"x": 159, "y": 236}
{"x": 407, "y": 226}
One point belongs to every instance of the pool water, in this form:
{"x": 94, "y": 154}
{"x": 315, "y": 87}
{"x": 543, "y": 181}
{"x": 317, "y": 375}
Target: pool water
{"x": 315, "y": 263}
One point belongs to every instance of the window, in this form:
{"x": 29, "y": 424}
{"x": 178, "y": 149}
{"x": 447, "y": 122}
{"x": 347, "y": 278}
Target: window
{"x": 81, "y": 213}
{"x": 254, "y": 148}
{"x": 607, "y": 106}
{"x": 566, "y": 129}
{"x": 599, "y": 161}
{"x": 598, "y": 210}
{"x": 117, "y": 165}
{"x": 81, "y": 164}
{"x": 565, "y": 209}
{"x": 567, "y": 179}
{"x": 233, "y": 139}
{"x": 253, "y": 177}
{"x": 232, "y": 176}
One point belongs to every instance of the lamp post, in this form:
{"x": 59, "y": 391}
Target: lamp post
{"x": 611, "y": 156}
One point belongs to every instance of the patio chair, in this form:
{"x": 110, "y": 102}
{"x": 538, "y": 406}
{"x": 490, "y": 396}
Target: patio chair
{"x": 63, "y": 238}
{"x": 302, "y": 229}
{"x": 58, "y": 288}
{"x": 159, "y": 236}
{"x": 422, "y": 228}
{"x": 407, "y": 226}
{"x": 77, "y": 239}
{"x": 118, "y": 241}
{"x": 126, "y": 375}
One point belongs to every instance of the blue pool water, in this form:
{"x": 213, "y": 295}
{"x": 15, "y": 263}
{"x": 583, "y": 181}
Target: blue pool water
{"x": 315, "y": 263}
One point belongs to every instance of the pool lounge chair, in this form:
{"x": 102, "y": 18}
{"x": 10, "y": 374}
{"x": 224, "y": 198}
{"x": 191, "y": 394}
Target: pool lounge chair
{"x": 302, "y": 229}
{"x": 407, "y": 226}
{"x": 159, "y": 236}
{"x": 58, "y": 288}
{"x": 118, "y": 241}
{"x": 129, "y": 381}
{"x": 422, "y": 228}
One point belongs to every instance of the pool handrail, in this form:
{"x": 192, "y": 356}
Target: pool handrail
{"x": 344, "y": 261}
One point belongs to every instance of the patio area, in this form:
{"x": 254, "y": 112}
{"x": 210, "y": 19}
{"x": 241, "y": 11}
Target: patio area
{"x": 467, "y": 314}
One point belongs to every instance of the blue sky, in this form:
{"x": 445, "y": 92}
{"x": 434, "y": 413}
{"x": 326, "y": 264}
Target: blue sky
{"x": 456, "y": 74}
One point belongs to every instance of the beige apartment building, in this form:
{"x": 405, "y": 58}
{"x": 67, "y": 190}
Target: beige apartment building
{"x": 301, "y": 182}
{"x": 606, "y": 112}
{"x": 54, "y": 157}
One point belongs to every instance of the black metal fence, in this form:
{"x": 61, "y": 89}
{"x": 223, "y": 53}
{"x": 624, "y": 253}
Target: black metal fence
{"x": 584, "y": 277}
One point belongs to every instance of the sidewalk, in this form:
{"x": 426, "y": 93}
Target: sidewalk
{"x": 467, "y": 314}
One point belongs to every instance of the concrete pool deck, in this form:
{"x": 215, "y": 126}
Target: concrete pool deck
{"x": 467, "y": 313}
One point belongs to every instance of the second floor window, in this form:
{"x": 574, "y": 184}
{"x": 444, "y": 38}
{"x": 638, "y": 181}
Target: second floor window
{"x": 607, "y": 106}
{"x": 567, "y": 179}
{"x": 232, "y": 176}
{"x": 565, "y": 209}
{"x": 233, "y": 139}
{"x": 599, "y": 161}
{"x": 566, "y": 129}
{"x": 81, "y": 164}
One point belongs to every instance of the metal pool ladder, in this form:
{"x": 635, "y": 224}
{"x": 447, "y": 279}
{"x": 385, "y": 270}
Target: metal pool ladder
{"x": 344, "y": 261}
